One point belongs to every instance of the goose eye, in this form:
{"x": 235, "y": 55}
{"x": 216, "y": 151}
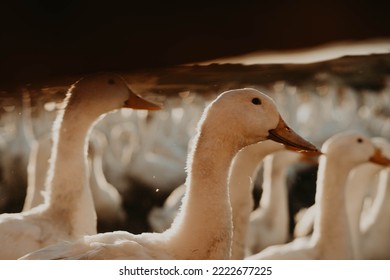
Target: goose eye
{"x": 256, "y": 101}
{"x": 359, "y": 140}
{"x": 111, "y": 81}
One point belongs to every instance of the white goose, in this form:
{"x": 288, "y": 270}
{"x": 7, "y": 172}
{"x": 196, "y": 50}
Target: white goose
{"x": 269, "y": 223}
{"x": 203, "y": 228}
{"x": 331, "y": 236}
{"x": 106, "y": 198}
{"x": 68, "y": 213}
{"x": 360, "y": 181}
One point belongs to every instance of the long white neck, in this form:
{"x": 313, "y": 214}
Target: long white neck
{"x": 70, "y": 199}
{"x": 331, "y": 232}
{"x": 203, "y": 227}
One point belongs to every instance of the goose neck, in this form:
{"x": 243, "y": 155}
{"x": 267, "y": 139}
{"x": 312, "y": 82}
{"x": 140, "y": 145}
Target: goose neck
{"x": 204, "y": 225}
{"x": 69, "y": 197}
{"x": 331, "y": 222}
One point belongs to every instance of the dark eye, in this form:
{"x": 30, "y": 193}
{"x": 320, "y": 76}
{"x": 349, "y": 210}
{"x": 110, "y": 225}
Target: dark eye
{"x": 256, "y": 101}
{"x": 111, "y": 81}
{"x": 359, "y": 140}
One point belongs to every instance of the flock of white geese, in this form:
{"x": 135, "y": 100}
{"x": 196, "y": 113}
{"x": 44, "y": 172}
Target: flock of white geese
{"x": 77, "y": 157}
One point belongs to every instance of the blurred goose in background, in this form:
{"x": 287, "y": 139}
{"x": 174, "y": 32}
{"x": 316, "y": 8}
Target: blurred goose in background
{"x": 38, "y": 166}
{"x": 18, "y": 136}
{"x": 68, "y": 211}
{"x": 361, "y": 180}
{"x": 203, "y": 227}
{"x": 331, "y": 236}
{"x": 157, "y": 163}
{"x": 161, "y": 218}
{"x": 122, "y": 135}
{"x": 107, "y": 199}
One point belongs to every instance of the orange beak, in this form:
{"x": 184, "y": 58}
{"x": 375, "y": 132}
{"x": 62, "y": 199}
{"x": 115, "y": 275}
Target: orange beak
{"x": 379, "y": 158}
{"x": 285, "y": 135}
{"x": 137, "y": 102}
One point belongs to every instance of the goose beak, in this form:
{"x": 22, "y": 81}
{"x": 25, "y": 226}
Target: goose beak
{"x": 285, "y": 135}
{"x": 137, "y": 102}
{"x": 379, "y": 158}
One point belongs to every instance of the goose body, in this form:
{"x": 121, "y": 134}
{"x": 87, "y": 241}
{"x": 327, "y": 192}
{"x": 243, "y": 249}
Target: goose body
{"x": 331, "y": 235}
{"x": 361, "y": 181}
{"x": 203, "y": 227}
{"x": 68, "y": 212}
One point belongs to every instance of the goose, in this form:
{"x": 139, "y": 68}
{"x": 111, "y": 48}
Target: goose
{"x": 269, "y": 223}
{"x": 360, "y": 180}
{"x": 203, "y": 227}
{"x": 68, "y": 212}
{"x": 331, "y": 236}
{"x": 107, "y": 200}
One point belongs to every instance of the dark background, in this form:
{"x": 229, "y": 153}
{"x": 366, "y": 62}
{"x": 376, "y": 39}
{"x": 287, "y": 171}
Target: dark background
{"x": 45, "y": 39}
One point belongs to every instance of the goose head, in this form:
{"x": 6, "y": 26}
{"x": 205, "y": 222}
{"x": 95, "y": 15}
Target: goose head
{"x": 251, "y": 116}
{"x": 353, "y": 148}
{"x": 104, "y": 92}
